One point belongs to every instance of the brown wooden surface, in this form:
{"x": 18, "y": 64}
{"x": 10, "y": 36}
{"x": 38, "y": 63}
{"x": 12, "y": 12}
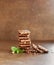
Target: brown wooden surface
{"x": 6, "y": 58}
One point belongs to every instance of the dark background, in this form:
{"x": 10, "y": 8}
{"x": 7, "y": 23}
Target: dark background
{"x": 35, "y": 15}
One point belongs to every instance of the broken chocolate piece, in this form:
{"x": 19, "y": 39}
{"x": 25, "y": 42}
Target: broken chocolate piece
{"x": 36, "y": 48}
{"x": 43, "y": 49}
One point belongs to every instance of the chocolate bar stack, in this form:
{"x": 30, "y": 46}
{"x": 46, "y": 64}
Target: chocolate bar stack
{"x": 24, "y": 39}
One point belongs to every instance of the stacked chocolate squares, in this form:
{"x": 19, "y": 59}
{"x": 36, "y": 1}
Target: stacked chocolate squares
{"x": 25, "y": 43}
{"x": 24, "y": 40}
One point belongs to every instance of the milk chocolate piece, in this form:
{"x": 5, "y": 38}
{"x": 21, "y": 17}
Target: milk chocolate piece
{"x": 43, "y": 48}
{"x": 23, "y": 31}
{"x": 24, "y": 35}
{"x": 24, "y": 42}
{"x": 36, "y": 48}
{"x": 23, "y": 38}
{"x": 39, "y": 51}
{"x": 24, "y": 45}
